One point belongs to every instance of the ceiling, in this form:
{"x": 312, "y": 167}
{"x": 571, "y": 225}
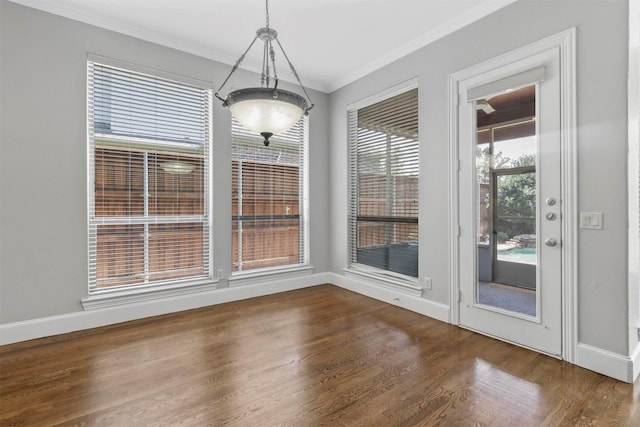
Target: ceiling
{"x": 330, "y": 42}
{"x": 512, "y": 105}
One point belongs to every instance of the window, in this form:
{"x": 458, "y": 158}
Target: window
{"x": 383, "y": 160}
{"x": 148, "y": 161}
{"x": 268, "y": 198}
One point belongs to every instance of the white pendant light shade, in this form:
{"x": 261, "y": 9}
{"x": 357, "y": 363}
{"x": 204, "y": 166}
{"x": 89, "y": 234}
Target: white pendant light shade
{"x": 266, "y": 110}
{"x": 177, "y": 167}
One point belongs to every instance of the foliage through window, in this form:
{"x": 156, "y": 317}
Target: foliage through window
{"x": 268, "y": 199}
{"x": 149, "y": 189}
{"x": 506, "y": 159}
{"x": 383, "y": 216}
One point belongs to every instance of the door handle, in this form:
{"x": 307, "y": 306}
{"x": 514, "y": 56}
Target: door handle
{"x": 550, "y": 241}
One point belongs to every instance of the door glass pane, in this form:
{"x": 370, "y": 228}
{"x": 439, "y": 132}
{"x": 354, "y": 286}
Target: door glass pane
{"x": 515, "y": 213}
{"x": 506, "y": 195}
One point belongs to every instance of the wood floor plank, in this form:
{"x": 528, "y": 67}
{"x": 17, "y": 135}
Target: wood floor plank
{"x": 316, "y": 356}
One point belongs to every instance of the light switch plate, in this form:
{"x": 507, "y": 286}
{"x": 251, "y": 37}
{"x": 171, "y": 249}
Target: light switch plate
{"x": 591, "y": 220}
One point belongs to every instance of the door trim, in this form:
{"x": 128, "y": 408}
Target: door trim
{"x": 566, "y": 41}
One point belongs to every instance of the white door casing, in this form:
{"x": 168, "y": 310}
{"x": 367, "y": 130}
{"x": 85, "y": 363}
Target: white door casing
{"x": 553, "y": 330}
{"x": 543, "y": 331}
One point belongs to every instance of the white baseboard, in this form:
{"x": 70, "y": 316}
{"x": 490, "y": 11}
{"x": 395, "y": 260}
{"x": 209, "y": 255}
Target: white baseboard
{"x": 54, "y": 325}
{"x": 394, "y": 297}
{"x": 623, "y": 368}
{"x": 635, "y": 361}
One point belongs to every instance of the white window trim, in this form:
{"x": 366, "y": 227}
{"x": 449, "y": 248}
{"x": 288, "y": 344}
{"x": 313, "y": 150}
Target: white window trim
{"x": 389, "y": 279}
{"x": 380, "y": 276}
{"x": 104, "y": 298}
{"x": 111, "y": 298}
{"x": 251, "y": 277}
{"x": 384, "y": 94}
{"x": 246, "y": 277}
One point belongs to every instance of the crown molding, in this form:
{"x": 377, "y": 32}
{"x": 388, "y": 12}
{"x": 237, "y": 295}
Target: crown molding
{"x": 472, "y": 15}
{"x": 75, "y": 14}
{"x": 483, "y": 9}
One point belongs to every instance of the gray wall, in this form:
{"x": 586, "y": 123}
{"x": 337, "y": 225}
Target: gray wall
{"x": 43, "y": 156}
{"x": 602, "y": 30}
{"x": 43, "y": 237}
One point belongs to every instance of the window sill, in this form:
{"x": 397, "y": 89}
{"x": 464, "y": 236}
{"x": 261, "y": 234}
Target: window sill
{"x": 106, "y": 299}
{"x": 258, "y": 276}
{"x": 406, "y": 284}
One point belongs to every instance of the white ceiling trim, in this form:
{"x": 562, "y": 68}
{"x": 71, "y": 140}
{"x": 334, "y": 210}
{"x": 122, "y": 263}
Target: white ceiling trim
{"x": 146, "y": 35}
{"x": 482, "y": 10}
{"x": 447, "y": 28}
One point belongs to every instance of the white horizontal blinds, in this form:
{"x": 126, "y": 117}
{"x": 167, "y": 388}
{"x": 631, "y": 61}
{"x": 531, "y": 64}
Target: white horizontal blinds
{"x": 384, "y": 184}
{"x": 137, "y": 105}
{"x": 149, "y": 143}
{"x": 268, "y": 198}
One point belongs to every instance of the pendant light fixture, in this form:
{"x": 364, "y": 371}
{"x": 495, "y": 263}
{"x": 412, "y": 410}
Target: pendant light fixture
{"x": 266, "y": 110}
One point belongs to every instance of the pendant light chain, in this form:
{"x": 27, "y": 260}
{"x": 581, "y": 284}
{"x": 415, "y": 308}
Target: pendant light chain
{"x": 295, "y": 73}
{"x": 265, "y": 65}
{"x": 272, "y": 53}
{"x": 266, "y": 110}
{"x": 269, "y": 53}
{"x": 293, "y": 70}
{"x": 233, "y": 70}
{"x": 267, "y": 13}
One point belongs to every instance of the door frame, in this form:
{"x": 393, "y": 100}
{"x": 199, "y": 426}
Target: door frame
{"x": 566, "y": 42}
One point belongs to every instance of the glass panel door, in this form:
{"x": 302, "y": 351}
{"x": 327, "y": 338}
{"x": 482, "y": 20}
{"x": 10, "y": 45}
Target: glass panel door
{"x": 506, "y": 201}
{"x": 509, "y": 201}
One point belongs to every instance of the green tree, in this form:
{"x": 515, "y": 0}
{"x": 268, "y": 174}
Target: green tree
{"x": 485, "y": 162}
{"x": 517, "y": 208}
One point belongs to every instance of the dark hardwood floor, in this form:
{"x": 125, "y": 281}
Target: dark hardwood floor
{"x": 317, "y": 356}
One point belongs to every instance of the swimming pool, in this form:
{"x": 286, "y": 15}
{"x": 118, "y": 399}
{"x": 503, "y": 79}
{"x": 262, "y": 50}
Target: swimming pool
{"x": 522, "y": 255}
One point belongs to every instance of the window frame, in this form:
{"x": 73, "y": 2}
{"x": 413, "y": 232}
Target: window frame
{"x": 247, "y": 276}
{"x": 378, "y": 275}
{"x": 127, "y": 293}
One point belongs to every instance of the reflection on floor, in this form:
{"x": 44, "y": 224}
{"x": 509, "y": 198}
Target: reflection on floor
{"x": 507, "y": 297}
